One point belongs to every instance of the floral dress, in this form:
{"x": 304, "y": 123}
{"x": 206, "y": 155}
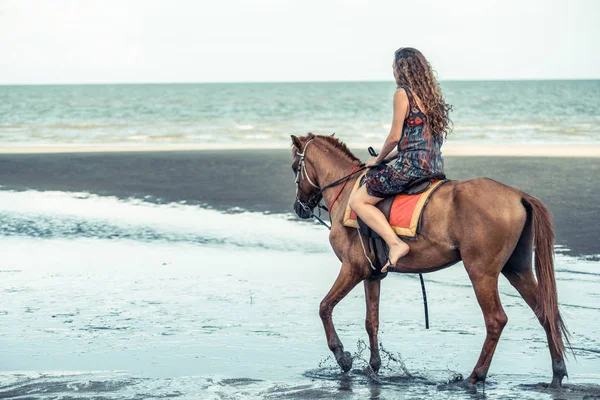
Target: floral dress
{"x": 419, "y": 155}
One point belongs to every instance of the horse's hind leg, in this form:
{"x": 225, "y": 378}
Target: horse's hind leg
{"x": 486, "y": 290}
{"x": 485, "y": 250}
{"x": 519, "y": 272}
{"x": 525, "y": 283}
{"x": 347, "y": 279}
{"x": 372, "y": 289}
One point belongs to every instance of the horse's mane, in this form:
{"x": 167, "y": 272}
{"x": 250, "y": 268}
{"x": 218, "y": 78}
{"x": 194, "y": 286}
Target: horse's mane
{"x": 338, "y": 144}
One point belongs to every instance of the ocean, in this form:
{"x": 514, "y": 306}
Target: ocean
{"x": 186, "y": 274}
{"x": 265, "y": 114}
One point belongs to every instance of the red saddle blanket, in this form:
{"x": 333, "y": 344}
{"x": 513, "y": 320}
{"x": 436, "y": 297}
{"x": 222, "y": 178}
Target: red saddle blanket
{"x": 404, "y": 213}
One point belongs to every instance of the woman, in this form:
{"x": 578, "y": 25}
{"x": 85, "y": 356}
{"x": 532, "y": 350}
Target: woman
{"x": 420, "y": 124}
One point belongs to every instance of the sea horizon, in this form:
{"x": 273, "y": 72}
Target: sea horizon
{"x": 128, "y": 83}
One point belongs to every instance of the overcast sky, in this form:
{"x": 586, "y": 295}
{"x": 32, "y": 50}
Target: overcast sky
{"x": 88, "y": 41}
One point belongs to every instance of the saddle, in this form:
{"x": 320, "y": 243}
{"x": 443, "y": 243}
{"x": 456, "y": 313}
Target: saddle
{"x": 404, "y": 211}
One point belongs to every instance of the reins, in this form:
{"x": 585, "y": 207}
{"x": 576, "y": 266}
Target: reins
{"x": 354, "y": 170}
{"x": 319, "y": 195}
{"x": 315, "y": 200}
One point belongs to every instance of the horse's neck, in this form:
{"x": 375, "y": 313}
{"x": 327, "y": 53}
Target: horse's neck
{"x": 330, "y": 170}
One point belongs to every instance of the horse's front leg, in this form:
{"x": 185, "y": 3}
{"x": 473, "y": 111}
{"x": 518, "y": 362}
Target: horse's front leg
{"x": 345, "y": 282}
{"x": 372, "y": 320}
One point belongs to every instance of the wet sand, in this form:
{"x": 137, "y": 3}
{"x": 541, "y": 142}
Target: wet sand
{"x": 261, "y": 180}
{"x": 123, "y": 319}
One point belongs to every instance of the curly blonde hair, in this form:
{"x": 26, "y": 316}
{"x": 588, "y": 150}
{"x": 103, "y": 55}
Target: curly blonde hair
{"x": 413, "y": 70}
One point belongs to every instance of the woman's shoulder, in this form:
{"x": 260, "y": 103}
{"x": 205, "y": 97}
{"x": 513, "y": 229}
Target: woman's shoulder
{"x": 401, "y": 94}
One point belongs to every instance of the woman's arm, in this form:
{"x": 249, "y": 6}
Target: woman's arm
{"x": 392, "y": 156}
{"x": 391, "y": 142}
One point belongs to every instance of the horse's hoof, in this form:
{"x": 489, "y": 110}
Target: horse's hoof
{"x": 375, "y": 365}
{"x": 559, "y": 371}
{"x": 556, "y": 383}
{"x": 345, "y": 361}
{"x": 372, "y": 375}
{"x": 468, "y": 385}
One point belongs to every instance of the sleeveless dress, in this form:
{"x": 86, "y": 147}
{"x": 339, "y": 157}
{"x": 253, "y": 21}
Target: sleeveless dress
{"x": 419, "y": 155}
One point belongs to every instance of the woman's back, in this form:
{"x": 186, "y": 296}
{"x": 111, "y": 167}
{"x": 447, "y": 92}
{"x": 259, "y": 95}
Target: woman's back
{"x": 419, "y": 151}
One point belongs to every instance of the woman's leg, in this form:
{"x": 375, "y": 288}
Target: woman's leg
{"x": 363, "y": 205}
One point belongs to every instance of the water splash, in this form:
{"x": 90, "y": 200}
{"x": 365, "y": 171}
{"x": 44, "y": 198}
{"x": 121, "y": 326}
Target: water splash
{"x": 395, "y": 358}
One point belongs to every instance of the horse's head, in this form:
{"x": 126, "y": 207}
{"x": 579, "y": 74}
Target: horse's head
{"x": 307, "y": 190}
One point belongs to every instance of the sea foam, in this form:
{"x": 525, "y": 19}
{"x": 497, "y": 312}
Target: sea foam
{"x": 54, "y": 214}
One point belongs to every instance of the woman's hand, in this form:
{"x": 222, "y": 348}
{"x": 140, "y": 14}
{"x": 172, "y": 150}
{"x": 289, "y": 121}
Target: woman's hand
{"x": 372, "y": 162}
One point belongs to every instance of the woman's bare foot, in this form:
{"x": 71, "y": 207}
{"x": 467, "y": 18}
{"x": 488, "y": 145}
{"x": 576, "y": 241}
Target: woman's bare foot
{"x": 397, "y": 251}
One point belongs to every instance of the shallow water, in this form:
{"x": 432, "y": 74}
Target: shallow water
{"x": 220, "y": 306}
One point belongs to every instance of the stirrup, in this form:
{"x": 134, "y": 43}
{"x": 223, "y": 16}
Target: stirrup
{"x": 377, "y": 274}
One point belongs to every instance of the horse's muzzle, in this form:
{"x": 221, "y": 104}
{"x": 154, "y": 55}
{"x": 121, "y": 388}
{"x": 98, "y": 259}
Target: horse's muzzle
{"x": 302, "y": 211}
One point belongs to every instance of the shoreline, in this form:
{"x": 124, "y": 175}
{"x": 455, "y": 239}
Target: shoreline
{"x": 449, "y": 149}
{"x": 262, "y": 181}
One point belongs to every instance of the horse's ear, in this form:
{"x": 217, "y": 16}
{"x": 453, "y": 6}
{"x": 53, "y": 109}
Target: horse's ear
{"x": 296, "y": 142}
{"x": 333, "y": 134}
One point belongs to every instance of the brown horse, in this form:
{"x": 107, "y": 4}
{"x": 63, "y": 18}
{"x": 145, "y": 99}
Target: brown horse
{"x": 491, "y": 227}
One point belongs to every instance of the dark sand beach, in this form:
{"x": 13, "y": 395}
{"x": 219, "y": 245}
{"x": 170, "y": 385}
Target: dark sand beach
{"x": 262, "y": 181}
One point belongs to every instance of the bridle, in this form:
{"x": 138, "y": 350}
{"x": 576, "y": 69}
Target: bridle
{"x": 315, "y": 201}
{"x": 302, "y": 168}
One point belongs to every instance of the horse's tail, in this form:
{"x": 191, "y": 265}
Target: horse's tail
{"x": 547, "y": 310}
